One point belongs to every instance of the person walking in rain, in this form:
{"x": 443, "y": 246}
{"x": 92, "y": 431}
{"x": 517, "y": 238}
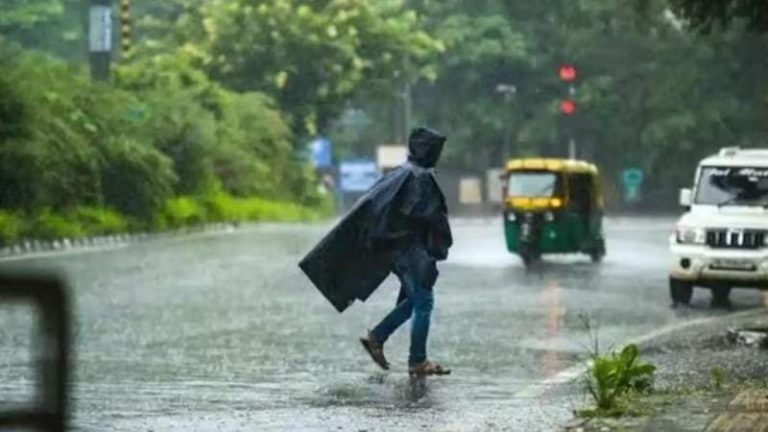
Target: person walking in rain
{"x": 400, "y": 226}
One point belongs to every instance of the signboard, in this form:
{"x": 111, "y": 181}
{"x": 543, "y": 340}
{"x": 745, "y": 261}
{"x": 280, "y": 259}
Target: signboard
{"x": 321, "y": 152}
{"x": 495, "y": 185}
{"x": 100, "y": 29}
{"x": 470, "y": 190}
{"x": 357, "y": 175}
{"x": 390, "y": 156}
{"x": 631, "y": 179}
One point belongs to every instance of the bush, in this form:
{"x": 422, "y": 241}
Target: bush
{"x": 99, "y": 221}
{"x": 180, "y": 212}
{"x": 11, "y": 228}
{"x": 164, "y": 147}
{"x": 136, "y": 179}
{"x": 47, "y": 225}
{"x": 214, "y": 136}
{"x": 223, "y": 207}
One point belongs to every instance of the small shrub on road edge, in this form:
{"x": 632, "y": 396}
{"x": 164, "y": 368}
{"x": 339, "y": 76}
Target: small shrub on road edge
{"x": 613, "y": 375}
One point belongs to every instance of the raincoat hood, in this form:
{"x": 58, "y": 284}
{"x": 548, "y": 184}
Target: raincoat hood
{"x": 425, "y": 146}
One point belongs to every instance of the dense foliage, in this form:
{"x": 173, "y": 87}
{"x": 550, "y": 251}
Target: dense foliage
{"x": 219, "y": 97}
{"x": 708, "y": 14}
{"x": 649, "y": 94}
{"x": 81, "y": 158}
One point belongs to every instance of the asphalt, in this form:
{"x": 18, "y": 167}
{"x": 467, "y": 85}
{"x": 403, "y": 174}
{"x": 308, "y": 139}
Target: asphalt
{"x": 222, "y": 332}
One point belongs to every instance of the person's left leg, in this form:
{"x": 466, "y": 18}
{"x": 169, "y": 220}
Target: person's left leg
{"x": 423, "y": 301}
{"x": 420, "y": 281}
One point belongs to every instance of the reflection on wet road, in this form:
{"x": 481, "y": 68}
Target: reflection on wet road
{"x": 222, "y": 332}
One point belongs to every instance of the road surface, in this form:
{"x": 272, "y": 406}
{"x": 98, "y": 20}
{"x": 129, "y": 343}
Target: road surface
{"x": 222, "y": 332}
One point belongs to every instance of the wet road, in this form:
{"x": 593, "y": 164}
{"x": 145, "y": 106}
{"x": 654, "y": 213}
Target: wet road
{"x": 221, "y": 332}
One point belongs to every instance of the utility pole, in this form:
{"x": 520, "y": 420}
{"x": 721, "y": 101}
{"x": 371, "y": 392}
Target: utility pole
{"x": 407, "y": 109}
{"x": 508, "y": 91}
{"x": 125, "y": 27}
{"x": 100, "y": 38}
{"x": 407, "y": 101}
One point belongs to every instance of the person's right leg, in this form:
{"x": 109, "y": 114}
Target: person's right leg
{"x": 394, "y": 319}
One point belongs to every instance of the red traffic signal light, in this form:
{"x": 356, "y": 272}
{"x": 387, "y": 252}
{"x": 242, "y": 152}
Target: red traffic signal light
{"x": 567, "y": 107}
{"x": 567, "y": 73}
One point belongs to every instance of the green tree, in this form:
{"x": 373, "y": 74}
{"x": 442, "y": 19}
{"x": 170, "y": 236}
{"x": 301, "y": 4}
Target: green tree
{"x": 705, "y": 15}
{"x": 310, "y": 57}
{"x": 55, "y": 26}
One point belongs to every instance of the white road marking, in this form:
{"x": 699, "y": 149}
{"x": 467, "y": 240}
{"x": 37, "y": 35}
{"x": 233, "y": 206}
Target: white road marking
{"x": 56, "y": 253}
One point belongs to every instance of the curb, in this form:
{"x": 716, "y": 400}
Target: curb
{"x": 31, "y": 248}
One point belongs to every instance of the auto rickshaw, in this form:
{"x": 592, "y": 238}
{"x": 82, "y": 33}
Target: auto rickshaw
{"x": 553, "y": 206}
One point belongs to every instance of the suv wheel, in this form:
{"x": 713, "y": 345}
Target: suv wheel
{"x": 680, "y": 291}
{"x": 721, "y": 297}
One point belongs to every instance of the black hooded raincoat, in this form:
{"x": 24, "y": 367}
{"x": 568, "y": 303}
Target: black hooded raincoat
{"x": 404, "y": 208}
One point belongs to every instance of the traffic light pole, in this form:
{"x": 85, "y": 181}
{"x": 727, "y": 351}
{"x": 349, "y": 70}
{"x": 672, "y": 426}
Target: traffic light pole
{"x": 572, "y": 139}
{"x": 567, "y": 74}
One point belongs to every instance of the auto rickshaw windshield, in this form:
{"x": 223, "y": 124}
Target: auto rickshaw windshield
{"x": 530, "y": 184}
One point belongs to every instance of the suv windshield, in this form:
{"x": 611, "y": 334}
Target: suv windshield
{"x": 732, "y": 186}
{"x": 533, "y": 184}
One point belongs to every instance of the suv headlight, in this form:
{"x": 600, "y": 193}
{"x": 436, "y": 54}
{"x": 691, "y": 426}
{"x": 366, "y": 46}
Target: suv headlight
{"x": 690, "y": 235}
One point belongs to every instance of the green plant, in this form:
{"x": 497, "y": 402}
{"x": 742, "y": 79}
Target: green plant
{"x": 717, "y": 378}
{"x": 614, "y": 374}
{"x": 11, "y": 227}
{"x": 180, "y": 212}
{"x": 48, "y": 225}
{"x": 136, "y": 179}
{"x": 99, "y": 221}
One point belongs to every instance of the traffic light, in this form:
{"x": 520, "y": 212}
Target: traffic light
{"x": 567, "y": 73}
{"x": 125, "y": 25}
{"x": 567, "y": 107}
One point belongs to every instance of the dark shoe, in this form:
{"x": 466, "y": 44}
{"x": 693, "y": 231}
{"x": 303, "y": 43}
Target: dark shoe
{"x": 376, "y": 350}
{"x": 427, "y": 368}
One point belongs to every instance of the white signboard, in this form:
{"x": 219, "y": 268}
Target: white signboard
{"x": 470, "y": 190}
{"x": 100, "y": 29}
{"x": 495, "y": 185}
{"x": 390, "y": 156}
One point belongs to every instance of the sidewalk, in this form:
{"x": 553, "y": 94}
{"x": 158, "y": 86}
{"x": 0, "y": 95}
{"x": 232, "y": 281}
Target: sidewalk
{"x": 705, "y": 383}
{"x": 748, "y": 411}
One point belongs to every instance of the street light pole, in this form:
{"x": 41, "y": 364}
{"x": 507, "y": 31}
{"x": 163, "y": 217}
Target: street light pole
{"x": 508, "y": 91}
{"x": 407, "y": 109}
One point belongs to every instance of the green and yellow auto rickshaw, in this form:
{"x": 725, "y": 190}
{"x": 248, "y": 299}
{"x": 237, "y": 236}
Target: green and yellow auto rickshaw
{"x": 553, "y": 206}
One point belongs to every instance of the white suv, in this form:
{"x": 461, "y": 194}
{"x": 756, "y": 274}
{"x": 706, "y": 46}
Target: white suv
{"x": 722, "y": 241}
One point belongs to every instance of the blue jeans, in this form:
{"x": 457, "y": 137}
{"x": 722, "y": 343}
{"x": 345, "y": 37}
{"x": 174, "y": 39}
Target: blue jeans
{"x": 417, "y": 273}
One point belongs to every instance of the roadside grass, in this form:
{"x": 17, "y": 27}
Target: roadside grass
{"x": 633, "y": 405}
{"x": 177, "y": 213}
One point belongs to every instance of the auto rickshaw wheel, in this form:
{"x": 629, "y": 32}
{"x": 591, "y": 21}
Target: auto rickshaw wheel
{"x": 529, "y": 256}
{"x": 680, "y": 291}
{"x": 598, "y": 252}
